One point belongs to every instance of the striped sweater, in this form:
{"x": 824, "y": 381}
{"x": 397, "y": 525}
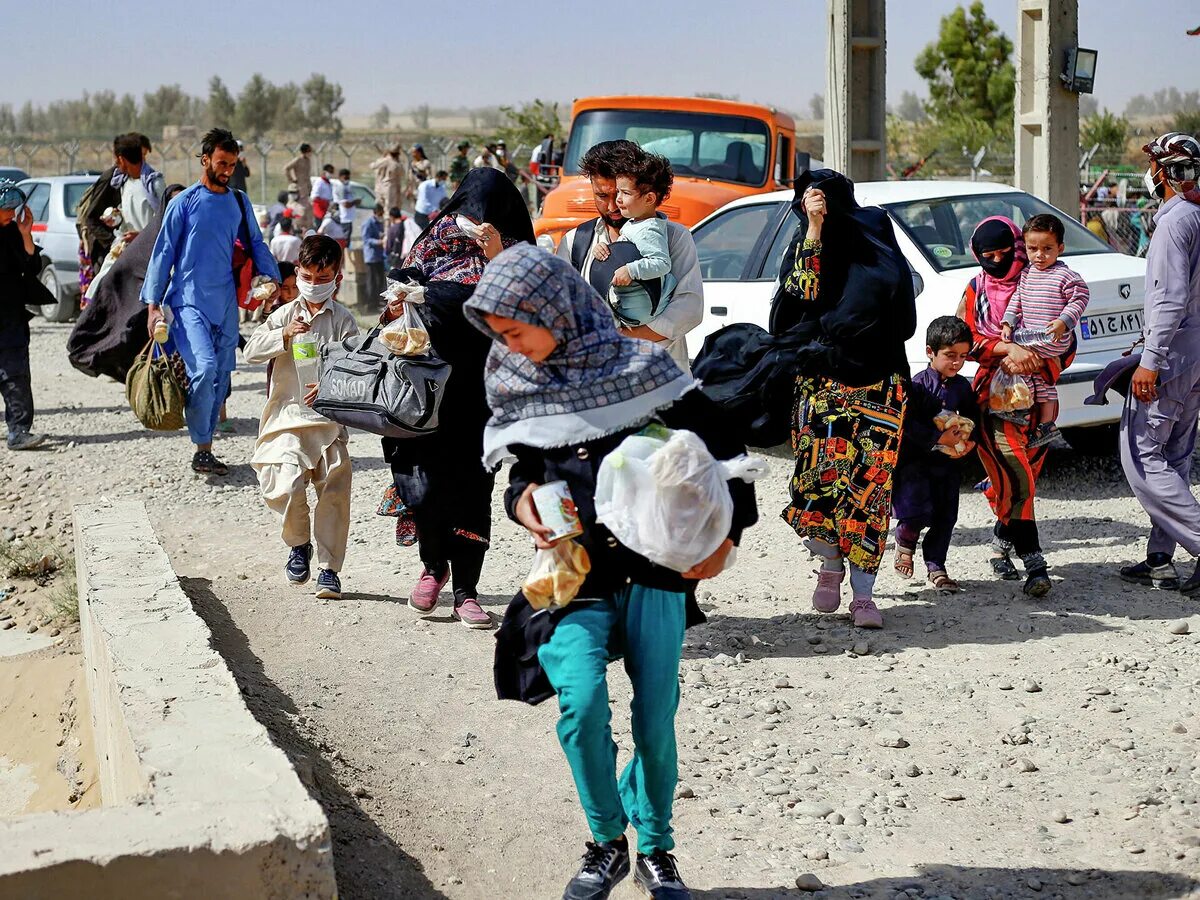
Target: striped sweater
{"x": 1044, "y": 295}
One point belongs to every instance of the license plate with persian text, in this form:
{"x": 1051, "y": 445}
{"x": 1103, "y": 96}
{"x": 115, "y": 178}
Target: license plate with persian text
{"x": 1128, "y": 321}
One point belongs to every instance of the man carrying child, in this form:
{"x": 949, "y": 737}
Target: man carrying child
{"x": 297, "y": 447}
{"x": 940, "y": 417}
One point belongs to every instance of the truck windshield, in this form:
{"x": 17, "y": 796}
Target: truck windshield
{"x": 701, "y": 145}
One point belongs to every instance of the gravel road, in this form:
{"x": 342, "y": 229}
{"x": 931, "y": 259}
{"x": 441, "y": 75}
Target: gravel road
{"x": 982, "y": 746}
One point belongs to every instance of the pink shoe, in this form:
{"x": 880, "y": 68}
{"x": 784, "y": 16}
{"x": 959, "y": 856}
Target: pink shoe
{"x": 424, "y": 596}
{"x": 828, "y": 595}
{"x": 866, "y": 614}
{"x": 472, "y": 615}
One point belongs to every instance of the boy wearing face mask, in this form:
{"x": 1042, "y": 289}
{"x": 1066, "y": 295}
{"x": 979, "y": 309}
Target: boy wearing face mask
{"x": 295, "y": 446}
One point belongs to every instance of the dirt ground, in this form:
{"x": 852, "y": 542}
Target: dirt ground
{"x": 983, "y": 745}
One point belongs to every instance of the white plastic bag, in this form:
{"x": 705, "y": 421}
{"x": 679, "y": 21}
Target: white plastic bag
{"x": 407, "y": 335}
{"x": 664, "y": 496}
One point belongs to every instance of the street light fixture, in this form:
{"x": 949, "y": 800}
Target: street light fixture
{"x": 1079, "y": 72}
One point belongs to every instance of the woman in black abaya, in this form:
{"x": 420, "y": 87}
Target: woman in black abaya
{"x": 440, "y": 478}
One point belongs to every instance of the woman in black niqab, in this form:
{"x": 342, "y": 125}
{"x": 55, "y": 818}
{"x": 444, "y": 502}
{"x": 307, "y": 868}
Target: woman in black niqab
{"x": 439, "y": 479}
{"x": 845, "y": 295}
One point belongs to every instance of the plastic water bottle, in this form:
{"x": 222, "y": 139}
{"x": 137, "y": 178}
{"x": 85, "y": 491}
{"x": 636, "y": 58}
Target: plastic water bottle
{"x": 304, "y": 356}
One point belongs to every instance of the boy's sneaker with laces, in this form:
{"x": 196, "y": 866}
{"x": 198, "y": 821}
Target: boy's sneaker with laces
{"x": 23, "y": 440}
{"x": 1042, "y": 435}
{"x": 424, "y": 596}
{"x": 604, "y": 865}
{"x": 297, "y": 568}
{"x": 865, "y": 613}
{"x": 658, "y": 876}
{"x": 329, "y": 586}
{"x": 471, "y": 614}
{"x": 1155, "y": 571}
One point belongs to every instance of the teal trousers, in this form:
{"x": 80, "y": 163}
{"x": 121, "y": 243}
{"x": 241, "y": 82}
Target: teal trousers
{"x": 645, "y": 627}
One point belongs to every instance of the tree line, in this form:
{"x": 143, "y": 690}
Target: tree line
{"x": 259, "y": 107}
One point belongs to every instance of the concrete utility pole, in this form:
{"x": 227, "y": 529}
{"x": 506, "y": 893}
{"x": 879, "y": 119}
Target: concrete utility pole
{"x": 1047, "y": 114}
{"x": 855, "y": 89}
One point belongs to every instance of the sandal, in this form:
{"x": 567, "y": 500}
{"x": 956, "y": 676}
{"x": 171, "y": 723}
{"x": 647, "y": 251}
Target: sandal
{"x": 904, "y": 561}
{"x": 204, "y": 463}
{"x": 941, "y": 580}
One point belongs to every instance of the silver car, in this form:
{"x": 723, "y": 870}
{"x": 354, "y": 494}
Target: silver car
{"x": 53, "y": 200}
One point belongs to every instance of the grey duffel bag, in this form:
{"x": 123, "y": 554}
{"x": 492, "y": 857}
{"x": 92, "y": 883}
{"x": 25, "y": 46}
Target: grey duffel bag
{"x": 363, "y": 385}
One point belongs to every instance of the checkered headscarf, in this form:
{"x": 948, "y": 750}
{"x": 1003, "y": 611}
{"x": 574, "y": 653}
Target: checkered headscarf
{"x": 596, "y": 382}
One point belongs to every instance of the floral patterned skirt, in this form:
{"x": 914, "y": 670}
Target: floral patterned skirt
{"x": 846, "y": 440}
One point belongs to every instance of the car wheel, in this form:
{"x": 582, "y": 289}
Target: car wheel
{"x": 66, "y": 308}
{"x": 1094, "y": 440}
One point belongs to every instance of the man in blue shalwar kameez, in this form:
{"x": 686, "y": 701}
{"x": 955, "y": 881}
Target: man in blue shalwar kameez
{"x": 191, "y": 273}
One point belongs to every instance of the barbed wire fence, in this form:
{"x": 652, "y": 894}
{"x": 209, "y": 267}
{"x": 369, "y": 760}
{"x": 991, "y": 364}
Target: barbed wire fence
{"x": 266, "y": 156}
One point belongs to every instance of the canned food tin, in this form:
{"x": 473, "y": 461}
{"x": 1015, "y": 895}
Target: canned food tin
{"x": 556, "y": 508}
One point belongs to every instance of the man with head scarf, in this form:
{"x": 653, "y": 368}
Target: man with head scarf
{"x": 578, "y": 246}
{"x": 1158, "y": 425}
{"x": 20, "y": 263}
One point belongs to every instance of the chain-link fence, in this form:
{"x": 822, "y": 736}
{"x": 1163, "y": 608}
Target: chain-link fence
{"x": 1126, "y": 229}
{"x": 266, "y": 157}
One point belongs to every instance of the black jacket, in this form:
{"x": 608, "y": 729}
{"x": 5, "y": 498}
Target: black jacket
{"x": 518, "y": 673}
{"x": 18, "y": 286}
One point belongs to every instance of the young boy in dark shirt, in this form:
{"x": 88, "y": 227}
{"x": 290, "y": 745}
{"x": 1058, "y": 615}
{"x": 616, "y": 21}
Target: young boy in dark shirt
{"x": 927, "y": 476}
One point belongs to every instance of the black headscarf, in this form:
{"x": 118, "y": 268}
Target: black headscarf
{"x": 994, "y": 234}
{"x": 486, "y": 195}
{"x": 854, "y": 332}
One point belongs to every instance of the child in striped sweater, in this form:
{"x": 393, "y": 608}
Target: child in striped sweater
{"x": 1043, "y": 314}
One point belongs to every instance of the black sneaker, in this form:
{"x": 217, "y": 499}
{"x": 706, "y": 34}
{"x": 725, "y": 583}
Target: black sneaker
{"x": 297, "y": 568}
{"x": 329, "y": 586}
{"x": 206, "y": 464}
{"x": 23, "y": 440}
{"x": 1192, "y": 585}
{"x": 603, "y": 866}
{"x": 1003, "y": 568}
{"x": 1155, "y": 571}
{"x": 1037, "y": 582}
{"x": 658, "y": 876}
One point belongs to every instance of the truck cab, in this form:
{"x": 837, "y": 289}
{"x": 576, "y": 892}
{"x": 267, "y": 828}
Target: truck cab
{"x": 719, "y": 150}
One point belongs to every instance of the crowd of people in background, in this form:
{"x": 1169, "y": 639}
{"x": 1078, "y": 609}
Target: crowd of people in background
{"x": 556, "y": 359}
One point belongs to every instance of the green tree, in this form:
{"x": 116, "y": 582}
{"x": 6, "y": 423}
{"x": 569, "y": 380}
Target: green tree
{"x": 289, "y": 107}
{"x": 8, "y": 122}
{"x": 970, "y": 72}
{"x": 381, "y": 118}
{"x": 910, "y": 108}
{"x": 529, "y": 123}
{"x": 221, "y": 108}
{"x": 256, "y": 106}
{"x": 322, "y": 100}
{"x": 1187, "y": 121}
{"x": 1107, "y": 130}
{"x": 166, "y": 105}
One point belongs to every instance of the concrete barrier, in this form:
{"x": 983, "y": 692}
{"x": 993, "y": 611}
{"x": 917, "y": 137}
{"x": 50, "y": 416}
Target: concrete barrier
{"x": 197, "y": 801}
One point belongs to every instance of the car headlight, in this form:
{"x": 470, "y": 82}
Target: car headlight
{"x": 546, "y": 242}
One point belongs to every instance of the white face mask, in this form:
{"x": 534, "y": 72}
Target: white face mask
{"x": 1152, "y": 187}
{"x": 469, "y": 228}
{"x": 316, "y": 294}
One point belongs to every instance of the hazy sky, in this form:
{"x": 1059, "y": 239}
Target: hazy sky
{"x": 770, "y": 51}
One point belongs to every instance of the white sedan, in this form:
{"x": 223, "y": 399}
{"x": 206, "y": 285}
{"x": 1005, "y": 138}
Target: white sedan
{"x": 741, "y": 247}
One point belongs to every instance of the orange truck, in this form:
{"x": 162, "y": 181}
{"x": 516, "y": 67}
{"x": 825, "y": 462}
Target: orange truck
{"x": 720, "y": 150}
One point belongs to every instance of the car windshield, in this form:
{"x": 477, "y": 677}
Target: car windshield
{"x": 942, "y": 226}
{"x": 702, "y": 145}
{"x": 72, "y": 194}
